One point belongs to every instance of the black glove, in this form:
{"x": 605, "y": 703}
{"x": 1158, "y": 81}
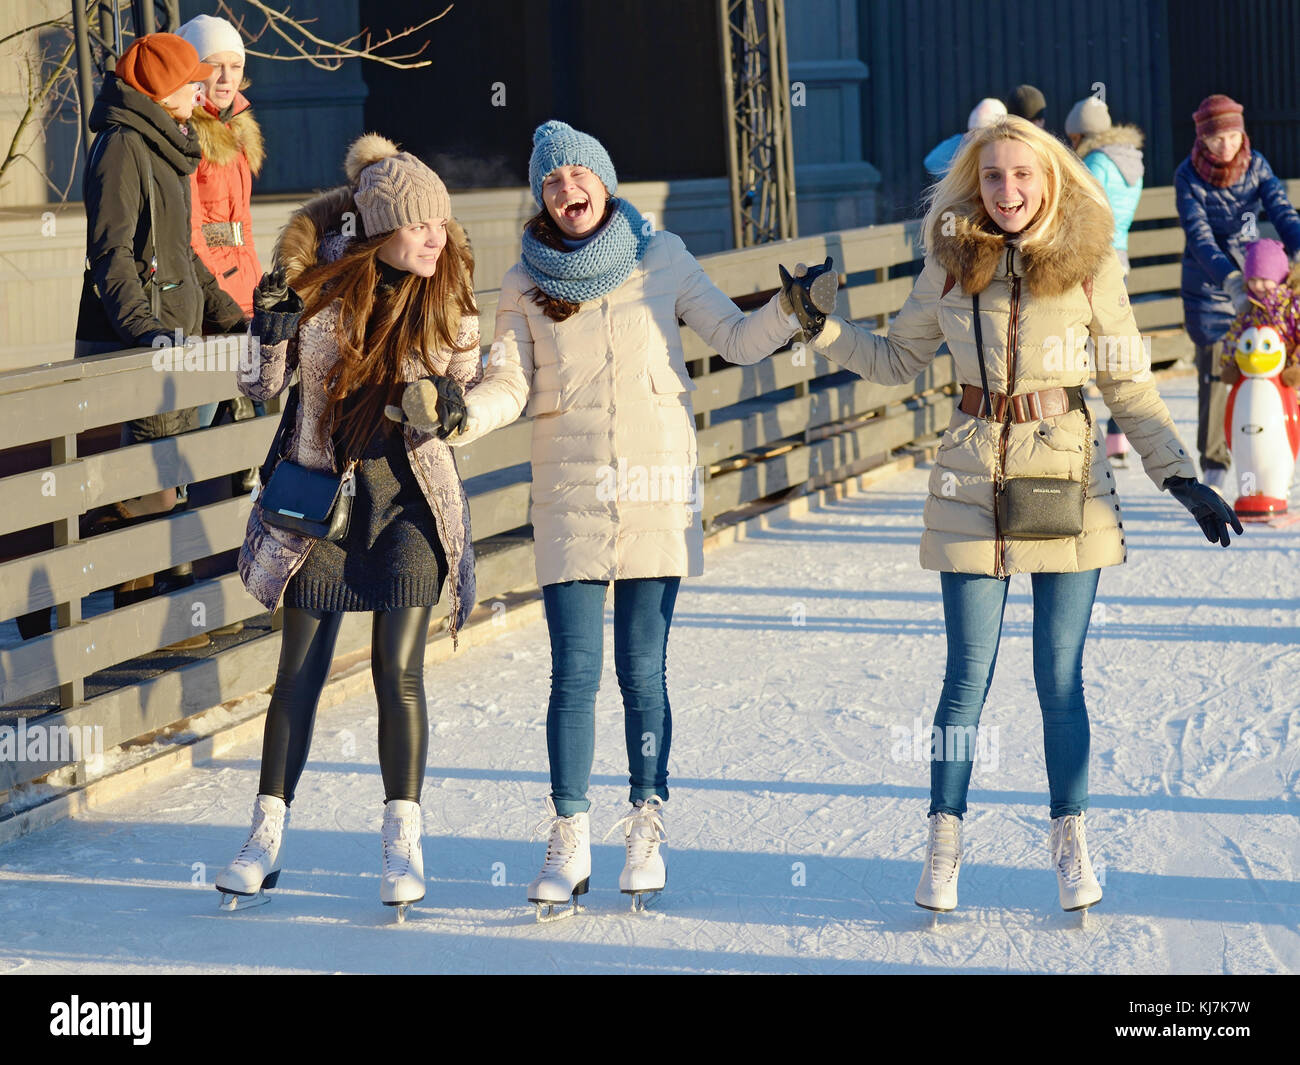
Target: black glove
{"x": 1206, "y": 506}
{"x": 276, "y": 308}
{"x": 274, "y": 290}
{"x": 810, "y": 294}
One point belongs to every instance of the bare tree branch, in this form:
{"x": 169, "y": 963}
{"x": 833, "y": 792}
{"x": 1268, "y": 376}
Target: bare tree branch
{"x": 329, "y": 55}
{"x": 35, "y": 103}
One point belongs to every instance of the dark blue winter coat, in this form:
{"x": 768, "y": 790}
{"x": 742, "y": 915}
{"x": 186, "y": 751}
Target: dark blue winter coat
{"x": 1218, "y": 230}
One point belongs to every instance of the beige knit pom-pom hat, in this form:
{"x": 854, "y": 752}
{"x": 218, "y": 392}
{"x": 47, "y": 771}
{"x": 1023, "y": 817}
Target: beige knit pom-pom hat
{"x": 393, "y": 188}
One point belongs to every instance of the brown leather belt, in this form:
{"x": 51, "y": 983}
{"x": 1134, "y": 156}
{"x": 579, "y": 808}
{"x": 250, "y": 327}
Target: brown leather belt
{"x": 223, "y": 234}
{"x": 1026, "y": 407}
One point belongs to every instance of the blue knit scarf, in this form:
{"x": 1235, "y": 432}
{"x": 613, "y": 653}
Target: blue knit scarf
{"x": 596, "y": 268}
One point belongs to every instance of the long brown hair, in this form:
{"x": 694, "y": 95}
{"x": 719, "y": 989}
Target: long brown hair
{"x": 543, "y": 228}
{"x": 377, "y": 331}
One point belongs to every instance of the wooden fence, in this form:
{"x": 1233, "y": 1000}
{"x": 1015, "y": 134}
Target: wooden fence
{"x": 781, "y": 426}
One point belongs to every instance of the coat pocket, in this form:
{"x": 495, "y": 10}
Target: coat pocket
{"x": 541, "y": 404}
{"x": 1058, "y": 452}
{"x": 668, "y": 382}
{"x": 963, "y": 427}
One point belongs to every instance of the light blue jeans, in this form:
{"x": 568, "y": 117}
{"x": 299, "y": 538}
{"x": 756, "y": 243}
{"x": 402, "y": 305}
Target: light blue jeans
{"x": 575, "y": 616}
{"x": 973, "y": 607}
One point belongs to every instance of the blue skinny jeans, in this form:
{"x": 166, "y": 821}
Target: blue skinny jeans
{"x": 973, "y": 607}
{"x": 575, "y": 616}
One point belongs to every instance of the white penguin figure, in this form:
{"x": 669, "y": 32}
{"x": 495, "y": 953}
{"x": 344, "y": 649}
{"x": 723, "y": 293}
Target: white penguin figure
{"x": 1262, "y": 425}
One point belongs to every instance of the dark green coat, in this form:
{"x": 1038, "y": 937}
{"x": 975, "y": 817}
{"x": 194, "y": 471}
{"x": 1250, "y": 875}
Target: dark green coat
{"x": 118, "y": 241}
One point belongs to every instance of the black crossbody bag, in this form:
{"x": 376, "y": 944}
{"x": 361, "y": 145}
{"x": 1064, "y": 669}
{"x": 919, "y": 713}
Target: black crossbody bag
{"x": 1033, "y": 508}
{"x": 313, "y": 503}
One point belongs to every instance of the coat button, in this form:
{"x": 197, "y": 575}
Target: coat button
{"x": 1117, "y": 506}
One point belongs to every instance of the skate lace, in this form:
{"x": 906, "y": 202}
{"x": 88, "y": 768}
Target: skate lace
{"x": 945, "y": 849}
{"x": 1069, "y": 849}
{"x": 561, "y": 834}
{"x": 399, "y": 845}
{"x": 643, "y": 831}
{"x": 263, "y": 838}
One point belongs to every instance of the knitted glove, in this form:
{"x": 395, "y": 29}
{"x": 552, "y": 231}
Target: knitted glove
{"x": 1230, "y": 372}
{"x": 1209, "y": 509}
{"x": 1235, "y": 286}
{"x": 434, "y": 405}
{"x": 809, "y": 295}
{"x": 276, "y": 308}
{"x": 1291, "y": 377}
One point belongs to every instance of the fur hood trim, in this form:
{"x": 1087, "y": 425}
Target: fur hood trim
{"x": 298, "y": 248}
{"x": 1130, "y": 136}
{"x": 221, "y": 141}
{"x": 973, "y": 253}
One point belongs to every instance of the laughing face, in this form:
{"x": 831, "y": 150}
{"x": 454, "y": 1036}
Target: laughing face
{"x": 575, "y": 199}
{"x": 1011, "y": 184}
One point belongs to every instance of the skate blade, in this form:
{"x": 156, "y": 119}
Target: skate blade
{"x": 399, "y": 910}
{"x": 641, "y": 899}
{"x": 547, "y": 912}
{"x": 231, "y": 903}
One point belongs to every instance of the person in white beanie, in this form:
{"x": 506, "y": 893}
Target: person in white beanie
{"x": 1113, "y": 154}
{"x": 233, "y": 153}
{"x": 221, "y": 221}
{"x": 984, "y": 113}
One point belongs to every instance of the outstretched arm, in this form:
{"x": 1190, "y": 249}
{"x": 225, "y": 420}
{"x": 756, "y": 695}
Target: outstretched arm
{"x": 910, "y": 346}
{"x": 736, "y": 336}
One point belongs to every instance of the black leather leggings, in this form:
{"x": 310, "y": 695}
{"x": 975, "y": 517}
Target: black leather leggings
{"x": 397, "y": 666}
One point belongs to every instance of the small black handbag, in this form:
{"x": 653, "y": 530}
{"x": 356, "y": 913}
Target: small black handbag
{"x": 1033, "y": 508}
{"x": 312, "y": 503}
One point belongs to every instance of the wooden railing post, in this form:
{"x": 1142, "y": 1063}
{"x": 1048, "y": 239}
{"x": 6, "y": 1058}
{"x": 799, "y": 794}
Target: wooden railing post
{"x": 63, "y": 449}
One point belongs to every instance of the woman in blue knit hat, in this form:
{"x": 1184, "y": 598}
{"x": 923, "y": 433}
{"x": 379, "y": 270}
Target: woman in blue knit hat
{"x": 587, "y": 343}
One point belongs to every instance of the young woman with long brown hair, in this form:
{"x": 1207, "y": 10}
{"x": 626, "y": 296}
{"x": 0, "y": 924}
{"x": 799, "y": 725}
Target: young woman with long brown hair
{"x": 382, "y": 295}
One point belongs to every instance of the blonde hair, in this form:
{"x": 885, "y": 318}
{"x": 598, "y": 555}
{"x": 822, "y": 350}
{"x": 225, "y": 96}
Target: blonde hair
{"x": 959, "y": 190}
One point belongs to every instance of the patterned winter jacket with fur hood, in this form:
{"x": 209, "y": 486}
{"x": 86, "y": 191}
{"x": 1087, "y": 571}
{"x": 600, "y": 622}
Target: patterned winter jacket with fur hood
{"x": 269, "y": 557}
{"x": 220, "y": 192}
{"x": 1036, "y": 313}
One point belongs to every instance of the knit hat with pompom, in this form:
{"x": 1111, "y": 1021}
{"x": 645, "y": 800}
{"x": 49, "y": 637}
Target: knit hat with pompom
{"x": 392, "y": 188}
{"x": 557, "y": 144}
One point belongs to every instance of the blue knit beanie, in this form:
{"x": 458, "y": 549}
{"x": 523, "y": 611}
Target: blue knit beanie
{"x": 558, "y": 144}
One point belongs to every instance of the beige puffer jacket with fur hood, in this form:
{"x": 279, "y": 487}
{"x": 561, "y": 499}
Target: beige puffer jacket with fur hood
{"x": 1035, "y": 312}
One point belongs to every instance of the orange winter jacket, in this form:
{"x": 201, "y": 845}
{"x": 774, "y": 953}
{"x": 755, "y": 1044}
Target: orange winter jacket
{"x": 220, "y": 192}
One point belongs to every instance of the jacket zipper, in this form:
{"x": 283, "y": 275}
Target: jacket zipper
{"x": 1013, "y": 338}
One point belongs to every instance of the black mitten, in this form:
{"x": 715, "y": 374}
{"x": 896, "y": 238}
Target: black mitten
{"x": 433, "y": 404}
{"x": 1209, "y": 509}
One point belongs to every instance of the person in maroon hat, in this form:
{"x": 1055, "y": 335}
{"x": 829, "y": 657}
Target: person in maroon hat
{"x": 144, "y": 283}
{"x": 1224, "y": 189}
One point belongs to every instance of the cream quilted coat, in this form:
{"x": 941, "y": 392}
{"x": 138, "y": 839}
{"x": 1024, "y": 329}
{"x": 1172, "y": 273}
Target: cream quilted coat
{"x": 1035, "y": 311}
{"x": 614, "y": 452}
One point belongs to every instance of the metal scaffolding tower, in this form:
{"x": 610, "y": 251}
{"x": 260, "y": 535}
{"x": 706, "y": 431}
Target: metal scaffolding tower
{"x": 760, "y": 153}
